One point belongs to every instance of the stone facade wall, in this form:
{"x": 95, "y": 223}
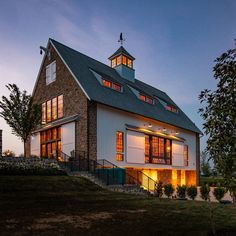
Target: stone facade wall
{"x": 75, "y": 101}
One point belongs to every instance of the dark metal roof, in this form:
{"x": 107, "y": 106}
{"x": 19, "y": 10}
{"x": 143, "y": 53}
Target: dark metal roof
{"x": 121, "y": 50}
{"x": 81, "y": 65}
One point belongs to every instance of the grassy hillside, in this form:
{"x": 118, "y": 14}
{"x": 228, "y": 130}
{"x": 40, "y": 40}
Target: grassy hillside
{"x": 62, "y": 205}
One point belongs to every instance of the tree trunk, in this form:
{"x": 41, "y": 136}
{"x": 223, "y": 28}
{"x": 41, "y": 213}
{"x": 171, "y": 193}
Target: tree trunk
{"x": 24, "y": 148}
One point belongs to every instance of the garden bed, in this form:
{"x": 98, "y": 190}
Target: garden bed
{"x": 29, "y": 166}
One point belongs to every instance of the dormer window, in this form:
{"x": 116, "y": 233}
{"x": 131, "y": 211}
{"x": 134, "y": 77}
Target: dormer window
{"x": 171, "y": 108}
{"x": 168, "y": 107}
{"x": 112, "y": 85}
{"x": 146, "y": 98}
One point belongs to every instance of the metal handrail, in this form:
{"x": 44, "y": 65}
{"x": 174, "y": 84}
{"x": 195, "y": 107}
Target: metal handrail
{"x": 149, "y": 179}
{"x": 141, "y": 179}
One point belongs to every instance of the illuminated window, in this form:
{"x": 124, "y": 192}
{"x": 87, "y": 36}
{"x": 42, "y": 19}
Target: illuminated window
{"x": 112, "y": 85}
{"x": 54, "y": 108}
{"x": 142, "y": 97}
{"x": 147, "y": 149}
{"x": 60, "y": 106}
{"x": 44, "y": 115}
{"x": 113, "y": 62}
{"x": 186, "y": 155}
{"x": 124, "y": 60}
{"x": 171, "y": 108}
{"x": 54, "y": 148}
{"x": 118, "y": 60}
{"x": 50, "y": 142}
{"x": 43, "y": 137}
{"x": 161, "y": 147}
{"x": 116, "y": 87}
{"x": 157, "y": 150}
{"x": 43, "y": 150}
{"x": 59, "y": 133}
{"x": 48, "y": 135}
{"x": 49, "y": 150}
{"x": 168, "y": 148}
{"x": 106, "y": 83}
{"x": 145, "y": 98}
{"x": 49, "y": 110}
{"x": 129, "y": 63}
{"x": 119, "y": 146}
{"x": 54, "y": 133}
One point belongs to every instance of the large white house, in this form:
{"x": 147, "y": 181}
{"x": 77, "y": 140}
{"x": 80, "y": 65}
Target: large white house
{"x": 105, "y": 112}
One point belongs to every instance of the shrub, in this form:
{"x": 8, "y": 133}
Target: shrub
{"x": 168, "y": 190}
{"x": 205, "y": 190}
{"x": 192, "y": 192}
{"x": 159, "y": 189}
{"x": 219, "y": 193}
{"x": 29, "y": 167}
{"x": 181, "y": 191}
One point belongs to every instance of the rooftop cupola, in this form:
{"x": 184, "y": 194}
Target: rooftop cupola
{"x": 122, "y": 62}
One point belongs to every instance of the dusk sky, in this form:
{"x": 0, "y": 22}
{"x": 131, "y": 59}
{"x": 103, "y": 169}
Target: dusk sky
{"x": 174, "y": 42}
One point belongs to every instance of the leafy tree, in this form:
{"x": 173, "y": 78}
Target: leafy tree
{"x": 205, "y": 166}
{"x": 219, "y": 115}
{"x": 20, "y": 113}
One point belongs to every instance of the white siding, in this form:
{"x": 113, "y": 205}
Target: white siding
{"x": 135, "y": 147}
{"x": 110, "y": 120}
{"x": 68, "y": 137}
{"x": 35, "y": 144}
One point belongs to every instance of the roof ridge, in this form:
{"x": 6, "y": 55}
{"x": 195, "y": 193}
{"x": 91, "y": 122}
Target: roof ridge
{"x": 82, "y": 54}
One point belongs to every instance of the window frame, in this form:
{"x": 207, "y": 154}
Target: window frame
{"x": 151, "y": 159}
{"x": 47, "y": 142}
{"x": 146, "y": 98}
{"x": 186, "y": 156}
{"x": 112, "y": 85}
{"x": 51, "y": 73}
{"x": 45, "y": 111}
{"x": 120, "y": 153}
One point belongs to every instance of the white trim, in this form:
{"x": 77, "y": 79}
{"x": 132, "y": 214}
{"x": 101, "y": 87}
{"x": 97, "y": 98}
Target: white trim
{"x": 70, "y": 70}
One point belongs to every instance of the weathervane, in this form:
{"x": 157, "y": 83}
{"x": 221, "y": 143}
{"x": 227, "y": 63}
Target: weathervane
{"x": 121, "y": 40}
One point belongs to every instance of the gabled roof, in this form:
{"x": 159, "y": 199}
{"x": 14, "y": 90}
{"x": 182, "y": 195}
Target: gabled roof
{"x": 121, "y": 50}
{"x": 81, "y": 65}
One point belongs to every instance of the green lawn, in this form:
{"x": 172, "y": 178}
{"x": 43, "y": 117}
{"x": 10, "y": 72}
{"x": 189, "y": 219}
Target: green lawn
{"x": 62, "y": 205}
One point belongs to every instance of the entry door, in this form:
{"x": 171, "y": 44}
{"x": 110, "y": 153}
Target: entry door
{"x": 135, "y": 147}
